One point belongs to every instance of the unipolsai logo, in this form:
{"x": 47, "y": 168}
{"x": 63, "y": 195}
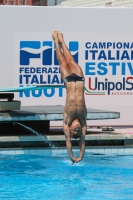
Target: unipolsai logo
{"x": 38, "y": 65}
{"x": 43, "y": 50}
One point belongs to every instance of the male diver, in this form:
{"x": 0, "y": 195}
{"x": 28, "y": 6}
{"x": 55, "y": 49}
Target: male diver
{"x": 74, "y": 123}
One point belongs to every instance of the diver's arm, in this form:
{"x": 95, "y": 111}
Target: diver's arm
{"x": 82, "y": 143}
{"x": 68, "y": 142}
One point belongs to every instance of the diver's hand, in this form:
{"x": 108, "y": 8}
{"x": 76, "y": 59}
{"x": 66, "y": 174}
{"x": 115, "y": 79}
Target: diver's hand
{"x": 76, "y": 160}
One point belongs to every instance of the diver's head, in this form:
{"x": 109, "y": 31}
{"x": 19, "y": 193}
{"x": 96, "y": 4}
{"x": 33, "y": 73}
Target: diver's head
{"x": 75, "y": 129}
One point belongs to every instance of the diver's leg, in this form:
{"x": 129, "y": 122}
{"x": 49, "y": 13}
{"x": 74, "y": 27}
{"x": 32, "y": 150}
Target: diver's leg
{"x": 64, "y": 67}
{"x": 75, "y": 68}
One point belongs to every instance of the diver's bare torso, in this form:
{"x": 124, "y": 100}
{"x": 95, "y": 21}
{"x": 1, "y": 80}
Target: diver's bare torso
{"x": 75, "y": 103}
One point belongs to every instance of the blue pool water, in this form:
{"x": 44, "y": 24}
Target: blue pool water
{"x": 29, "y": 177}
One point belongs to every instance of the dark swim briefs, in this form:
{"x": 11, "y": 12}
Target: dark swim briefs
{"x": 73, "y": 78}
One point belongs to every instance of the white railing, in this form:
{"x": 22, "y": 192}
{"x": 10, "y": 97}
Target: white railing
{"x": 97, "y": 3}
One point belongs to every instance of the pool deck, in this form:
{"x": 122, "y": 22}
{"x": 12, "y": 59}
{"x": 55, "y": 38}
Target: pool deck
{"x": 94, "y": 138}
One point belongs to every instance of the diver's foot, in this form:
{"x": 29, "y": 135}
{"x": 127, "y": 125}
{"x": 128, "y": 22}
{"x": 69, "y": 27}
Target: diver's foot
{"x": 55, "y": 36}
{"x": 60, "y": 37}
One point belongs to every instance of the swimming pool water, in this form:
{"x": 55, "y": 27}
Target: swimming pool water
{"x": 30, "y": 177}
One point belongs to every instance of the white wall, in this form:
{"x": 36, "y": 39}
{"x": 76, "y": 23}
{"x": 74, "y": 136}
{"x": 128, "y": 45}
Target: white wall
{"x": 77, "y": 24}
